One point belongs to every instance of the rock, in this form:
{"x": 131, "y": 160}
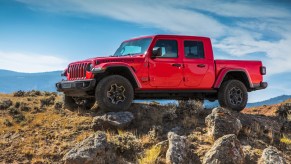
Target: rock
{"x": 226, "y": 149}
{"x": 117, "y": 120}
{"x": 221, "y": 122}
{"x": 272, "y": 155}
{"x": 284, "y": 112}
{"x": 267, "y": 129}
{"x": 286, "y": 129}
{"x": 93, "y": 149}
{"x": 178, "y": 151}
{"x": 5, "y": 103}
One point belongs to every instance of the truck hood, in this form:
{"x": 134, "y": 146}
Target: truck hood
{"x": 99, "y": 60}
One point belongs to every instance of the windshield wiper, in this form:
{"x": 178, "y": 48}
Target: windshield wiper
{"x": 129, "y": 54}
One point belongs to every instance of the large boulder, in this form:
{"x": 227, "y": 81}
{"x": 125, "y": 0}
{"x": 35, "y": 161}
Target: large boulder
{"x": 178, "y": 151}
{"x": 267, "y": 129}
{"x": 272, "y": 155}
{"x": 226, "y": 149}
{"x": 93, "y": 149}
{"x": 221, "y": 122}
{"x": 117, "y": 120}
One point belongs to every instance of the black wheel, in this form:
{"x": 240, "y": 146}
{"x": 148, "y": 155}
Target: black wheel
{"x": 114, "y": 93}
{"x": 69, "y": 102}
{"x": 233, "y": 94}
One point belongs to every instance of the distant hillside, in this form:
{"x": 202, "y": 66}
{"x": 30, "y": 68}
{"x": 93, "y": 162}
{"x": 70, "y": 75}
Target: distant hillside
{"x": 11, "y": 81}
{"x": 272, "y": 101}
{"x": 275, "y": 100}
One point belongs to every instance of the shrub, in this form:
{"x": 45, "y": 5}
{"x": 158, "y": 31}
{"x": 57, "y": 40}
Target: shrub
{"x": 151, "y": 155}
{"x": 7, "y": 122}
{"x": 5, "y": 103}
{"x": 19, "y": 93}
{"x": 125, "y": 143}
{"x": 16, "y": 114}
{"x": 191, "y": 106}
{"x": 33, "y": 93}
{"x": 17, "y": 104}
{"x": 24, "y": 107}
{"x": 47, "y": 101}
{"x": 58, "y": 105}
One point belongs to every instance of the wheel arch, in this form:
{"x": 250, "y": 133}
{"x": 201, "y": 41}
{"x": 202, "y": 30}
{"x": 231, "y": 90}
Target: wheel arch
{"x": 122, "y": 70}
{"x": 235, "y": 74}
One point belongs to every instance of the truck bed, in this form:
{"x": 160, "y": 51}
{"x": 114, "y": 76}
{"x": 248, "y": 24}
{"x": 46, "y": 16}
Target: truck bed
{"x": 251, "y": 67}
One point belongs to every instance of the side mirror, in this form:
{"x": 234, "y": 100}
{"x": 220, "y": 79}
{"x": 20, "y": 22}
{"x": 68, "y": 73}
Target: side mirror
{"x": 157, "y": 51}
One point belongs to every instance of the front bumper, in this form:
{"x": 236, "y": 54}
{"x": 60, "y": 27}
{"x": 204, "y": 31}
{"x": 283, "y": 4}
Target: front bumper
{"x": 76, "y": 85}
{"x": 261, "y": 85}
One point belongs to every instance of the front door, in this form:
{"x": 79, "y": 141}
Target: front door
{"x": 165, "y": 71}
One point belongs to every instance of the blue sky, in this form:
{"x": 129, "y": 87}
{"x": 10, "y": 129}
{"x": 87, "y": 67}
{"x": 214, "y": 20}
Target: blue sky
{"x": 38, "y": 36}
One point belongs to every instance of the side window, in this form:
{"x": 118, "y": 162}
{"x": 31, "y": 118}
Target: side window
{"x": 169, "y": 48}
{"x": 194, "y": 49}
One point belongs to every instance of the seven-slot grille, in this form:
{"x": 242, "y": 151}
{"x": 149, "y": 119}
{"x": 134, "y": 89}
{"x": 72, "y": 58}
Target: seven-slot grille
{"x": 78, "y": 71}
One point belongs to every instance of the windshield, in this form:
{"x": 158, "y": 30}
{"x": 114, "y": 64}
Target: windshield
{"x": 132, "y": 47}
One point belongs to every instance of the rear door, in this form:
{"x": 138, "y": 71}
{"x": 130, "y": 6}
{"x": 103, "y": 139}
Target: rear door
{"x": 195, "y": 63}
{"x": 165, "y": 71}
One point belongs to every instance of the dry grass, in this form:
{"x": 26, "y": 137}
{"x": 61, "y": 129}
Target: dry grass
{"x": 44, "y": 135}
{"x": 285, "y": 140}
{"x": 151, "y": 155}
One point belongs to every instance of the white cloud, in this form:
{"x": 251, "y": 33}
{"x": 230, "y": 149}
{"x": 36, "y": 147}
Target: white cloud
{"x": 243, "y": 9}
{"x": 31, "y": 63}
{"x": 148, "y": 13}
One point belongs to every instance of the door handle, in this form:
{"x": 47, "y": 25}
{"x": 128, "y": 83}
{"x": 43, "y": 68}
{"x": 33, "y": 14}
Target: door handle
{"x": 176, "y": 65}
{"x": 201, "y": 65}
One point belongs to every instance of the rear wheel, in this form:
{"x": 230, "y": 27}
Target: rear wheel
{"x": 233, "y": 95}
{"x": 114, "y": 93}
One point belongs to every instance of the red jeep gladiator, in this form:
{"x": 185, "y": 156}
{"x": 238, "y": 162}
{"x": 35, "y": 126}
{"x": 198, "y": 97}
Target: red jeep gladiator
{"x": 161, "y": 67}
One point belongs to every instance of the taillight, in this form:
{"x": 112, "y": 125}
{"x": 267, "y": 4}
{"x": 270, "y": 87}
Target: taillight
{"x": 263, "y": 70}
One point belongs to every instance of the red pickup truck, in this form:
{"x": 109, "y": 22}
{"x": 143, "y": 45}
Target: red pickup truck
{"x": 161, "y": 67}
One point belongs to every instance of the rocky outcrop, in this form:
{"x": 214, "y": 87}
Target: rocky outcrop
{"x": 221, "y": 122}
{"x": 272, "y": 155}
{"x": 178, "y": 151}
{"x": 226, "y": 149}
{"x": 284, "y": 112}
{"x": 94, "y": 149}
{"x": 267, "y": 129}
{"x": 117, "y": 120}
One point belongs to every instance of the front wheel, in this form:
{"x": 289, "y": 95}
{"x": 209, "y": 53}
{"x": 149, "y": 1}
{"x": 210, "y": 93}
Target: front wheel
{"x": 114, "y": 93}
{"x": 233, "y": 95}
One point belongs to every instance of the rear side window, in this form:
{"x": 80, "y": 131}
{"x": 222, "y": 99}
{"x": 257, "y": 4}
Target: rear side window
{"x": 169, "y": 48}
{"x": 194, "y": 49}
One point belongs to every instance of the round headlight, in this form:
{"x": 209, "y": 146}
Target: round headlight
{"x": 89, "y": 67}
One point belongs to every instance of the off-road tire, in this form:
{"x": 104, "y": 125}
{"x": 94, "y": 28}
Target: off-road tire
{"x": 105, "y": 85}
{"x": 69, "y": 102}
{"x": 233, "y": 100}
